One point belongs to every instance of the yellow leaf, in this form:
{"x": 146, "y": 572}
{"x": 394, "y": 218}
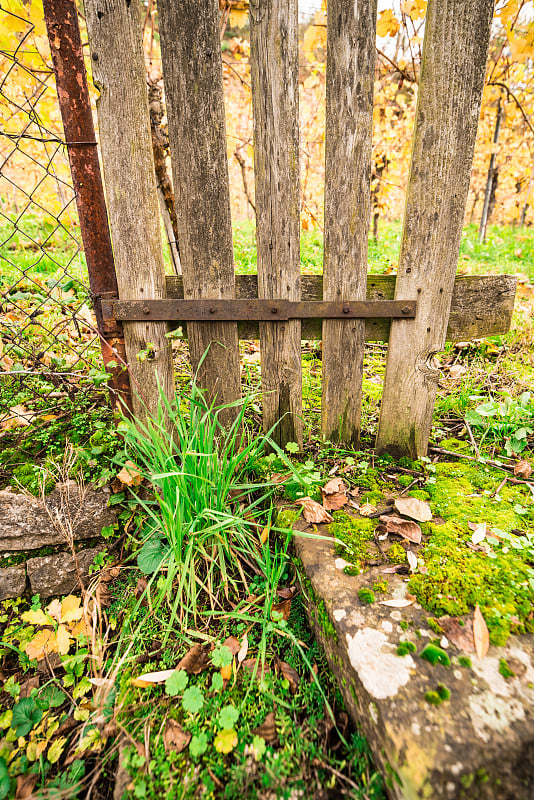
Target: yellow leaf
{"x": 238, "y": 18}
{"x": 63, "y": 640}
{"x": 36, "y": 617}
{"x": 225, "y": 741}
{"x": 70, "y": 609}
{"x": 44, "y": 642}
{"x": 56, "y": 748}
{"x": 226, "y": 672}
{"x": 416, "y": 9}
{"x": 34, "y": 750}
{"x": 388, "y": 24}
{"x": 81, "y": 628}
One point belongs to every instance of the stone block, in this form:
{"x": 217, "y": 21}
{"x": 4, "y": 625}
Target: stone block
{"x": 477, "y": 745}
{"x": 12, "y": 582}
{"x": 28, "y": 523}
{"x": 57, "y": 574}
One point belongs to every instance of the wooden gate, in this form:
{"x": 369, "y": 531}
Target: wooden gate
{"x": 415, "y": 311}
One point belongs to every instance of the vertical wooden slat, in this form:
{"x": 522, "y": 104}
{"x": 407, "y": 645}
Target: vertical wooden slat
{"x": 124, "y": 127}
{"x": 192, "y": 73}
{"x": 452, "y": 78}
{"x": 350, "y": 70}
{"x": 274, "y": 68}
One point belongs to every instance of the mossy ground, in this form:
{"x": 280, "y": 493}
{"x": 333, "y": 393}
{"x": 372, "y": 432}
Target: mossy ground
{"x": 460, "y": 575}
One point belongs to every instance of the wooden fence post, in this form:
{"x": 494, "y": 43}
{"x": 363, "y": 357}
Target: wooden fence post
{"x": 274, "y": 71}
{"x": 125, "y": 143}
{"x": 452, "y": 78}
{"x": 350, "y": 72}
{"x": 192, "y": 73}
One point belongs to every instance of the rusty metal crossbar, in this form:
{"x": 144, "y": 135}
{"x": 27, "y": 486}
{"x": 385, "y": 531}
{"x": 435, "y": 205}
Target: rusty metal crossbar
{"x": 255, "y": 309}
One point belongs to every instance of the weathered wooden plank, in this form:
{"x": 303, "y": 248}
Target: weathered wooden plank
{"x": 350, "y": 72}
{"x": 274, "y": 72}
{"x": 124, "y": 127}
{"x": 452, "y": 77}
{"x": 482, "y": 305}
{"x": 192, "y": 72}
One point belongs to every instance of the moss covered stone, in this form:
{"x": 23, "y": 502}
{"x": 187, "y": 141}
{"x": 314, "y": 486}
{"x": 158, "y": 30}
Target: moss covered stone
{"x": 505, "y": 670}
{"x": 465, "y": 661}
{"x": 405, "y": 647}
{"x": 366, "y": 596}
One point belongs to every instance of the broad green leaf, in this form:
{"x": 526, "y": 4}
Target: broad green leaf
{"x": 4, "y": 779}
{"x": 176, "y": 683}
{"x": 228, "y": 717}
{"x": 25, "y": 716}
{"x": 198, "y": 745}
{"x": 151, "y": 555}
{"x": 193, "y": 700}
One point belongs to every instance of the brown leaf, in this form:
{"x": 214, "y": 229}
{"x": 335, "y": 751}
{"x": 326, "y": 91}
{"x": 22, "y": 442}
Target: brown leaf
{"x": 196, "y": 660}
{"x": 267, "y": 730}
{"x": 174, "y": 737}
{"x": 140, "y": 588}
{"x": 314, "y": 511}
{"x": 28, "y": 685}
{"x": 25, "y": 785}
{"x": 103, "y": 595}
{"x": 414, "y": 508}
{"x": 523, "y": 469}
{"x": 480, "y": 632}
{"x": 277, "y": 477}
{"x": 130, "y": 475}
{"x": 243, "y": 650}
{"x": 334, "y": 486}
{"x": 402, "y": 527}
{"x": 287, "y": 672}
{"x": 250, "y": 665}
{"x": 232, "y": 644}
{"x": 367, "y": 510}
{"x": 460, "y": 636}
{"x": 333, "y": 502}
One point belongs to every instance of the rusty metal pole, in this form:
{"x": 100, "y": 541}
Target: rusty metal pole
{"x": 66, "y": 48}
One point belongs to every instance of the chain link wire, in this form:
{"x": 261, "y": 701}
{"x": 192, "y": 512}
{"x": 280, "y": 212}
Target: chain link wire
{"x": 50, "y": 364}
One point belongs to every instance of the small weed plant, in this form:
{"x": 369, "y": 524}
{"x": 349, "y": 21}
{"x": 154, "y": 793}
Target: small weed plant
{"x": 509, "y": 420}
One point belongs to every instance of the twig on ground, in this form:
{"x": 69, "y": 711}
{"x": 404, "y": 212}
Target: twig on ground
{"x": 472, "y": 438}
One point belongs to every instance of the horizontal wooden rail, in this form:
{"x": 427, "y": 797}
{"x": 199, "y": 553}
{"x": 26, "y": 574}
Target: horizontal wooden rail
{"x": 256, "y": 310}
{"x": 482, "y": 305}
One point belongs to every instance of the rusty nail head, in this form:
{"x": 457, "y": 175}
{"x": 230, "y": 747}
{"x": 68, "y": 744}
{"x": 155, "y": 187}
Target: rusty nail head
{"x": 346, "y": 309}
{"x": 274, "y": 310}
{"x": 146, "y": 310}
{"x": 212, "y": 310}
{"x": 406, "y": 309}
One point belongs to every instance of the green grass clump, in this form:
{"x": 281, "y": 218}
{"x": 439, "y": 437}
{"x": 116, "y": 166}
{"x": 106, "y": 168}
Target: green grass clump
{"x": 380, "y": 587}
{"x": 366, "y": 596}
{"x": 435, "y": 655}
{"x": 405, "y": 647}
{"x": 396, "y": 553}
{"x": 505, "y": 670}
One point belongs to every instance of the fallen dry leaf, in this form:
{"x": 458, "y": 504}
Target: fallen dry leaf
{"x": 28, "y": 685}
{"x": 267, "y": 730}
{"x": 243, "y": 650}
{"x": 334, "y": 494}
{"x": 398, "y": 602}
{"x": 402, "y": 527}
{"x": 480, "y": 632}
{"x": 479, "y": 532}
{"x": 460, "y": 636}
{"x": 232, "y": 644}
{"x": 130, "y": 475}
{"x": 367, "y": 510}
{"x": 196, "y": 660}
{"x": 17, "y": 417}
{"x": 412, "y": 560}
{"x": 523, "y": 469}
{"x": 414, "y": 508}
{"x": 226, "y": 672}
{"x": 25, "y": 786}
{"x": 284, "y": 607}
{"x": 313, "y": 511}
{"x": 287, "y": 672}
{"x": 150, "y": 678}
{"x": 174, "y": 737}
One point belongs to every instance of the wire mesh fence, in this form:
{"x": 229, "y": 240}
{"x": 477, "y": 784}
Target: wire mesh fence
{"x": 50, "y": 364}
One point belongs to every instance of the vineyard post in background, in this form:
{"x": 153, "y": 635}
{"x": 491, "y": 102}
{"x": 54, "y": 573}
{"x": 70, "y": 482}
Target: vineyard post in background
{"x": 75, "y": 106}
{"x": 118, "y": 66}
